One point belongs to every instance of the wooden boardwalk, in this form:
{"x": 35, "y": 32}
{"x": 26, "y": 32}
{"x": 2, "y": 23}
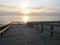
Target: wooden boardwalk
{"x": 23, "y": 35}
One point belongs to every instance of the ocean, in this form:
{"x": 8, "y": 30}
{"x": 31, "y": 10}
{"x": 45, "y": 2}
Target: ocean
{"x": 30, "y": 18}
{"x": 15, "y": 17}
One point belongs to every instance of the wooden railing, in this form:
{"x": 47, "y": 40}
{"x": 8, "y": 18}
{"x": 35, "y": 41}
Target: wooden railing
{"x": 52, "y": 25}
{"x": 4, "y": 28}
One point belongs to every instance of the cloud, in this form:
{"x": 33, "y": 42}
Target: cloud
{"x": 6, "y": 5}
{"x": 6, "y": 8}
{"x": 32, "y": 10}
{"x": 44, "y": 10}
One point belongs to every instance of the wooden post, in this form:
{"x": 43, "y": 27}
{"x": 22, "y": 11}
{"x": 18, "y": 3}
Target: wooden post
{"x": 41, "y": 27}
{"x": 51, "y": 30}
{"x": 1, "y": 34}
{"x": 36, "y": 26}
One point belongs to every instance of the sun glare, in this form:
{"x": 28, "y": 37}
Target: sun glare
{"x": 24, "y": 4}
{"x": 23, "y": 7}
{"x": 25, "y": 19}
{"x": 25, "y": 11}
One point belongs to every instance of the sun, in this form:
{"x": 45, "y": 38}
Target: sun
{"x": 25, "y": 11}
{"x": 23, "y": 7}
{"x": 25, "y": 19}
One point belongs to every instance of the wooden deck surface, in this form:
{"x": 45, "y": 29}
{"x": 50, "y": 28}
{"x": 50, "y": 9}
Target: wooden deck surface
{"x": 23, "y": 35}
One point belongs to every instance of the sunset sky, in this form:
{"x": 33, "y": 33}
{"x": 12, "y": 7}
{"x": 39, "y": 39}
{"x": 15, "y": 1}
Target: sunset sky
{"x": 32, "y": 7}
{"x": 41, "y": 6}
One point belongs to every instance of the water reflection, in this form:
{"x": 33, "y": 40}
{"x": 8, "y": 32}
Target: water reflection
{"x": 25, "y": 19}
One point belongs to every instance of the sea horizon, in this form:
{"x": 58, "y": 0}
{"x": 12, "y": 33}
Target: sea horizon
{"x": 15, "y": 17}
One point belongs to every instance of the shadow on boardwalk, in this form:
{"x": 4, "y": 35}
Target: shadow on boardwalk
{"x": 23, "y": 35}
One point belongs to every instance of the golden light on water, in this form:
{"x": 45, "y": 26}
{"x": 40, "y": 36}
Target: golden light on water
{"x": 24, "y": 5}
{"x": 25, "y": 19}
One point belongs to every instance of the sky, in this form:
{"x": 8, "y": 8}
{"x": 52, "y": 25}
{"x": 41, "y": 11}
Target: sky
{"x": 15, "y": 5}
{"x": 33, "y": 7}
